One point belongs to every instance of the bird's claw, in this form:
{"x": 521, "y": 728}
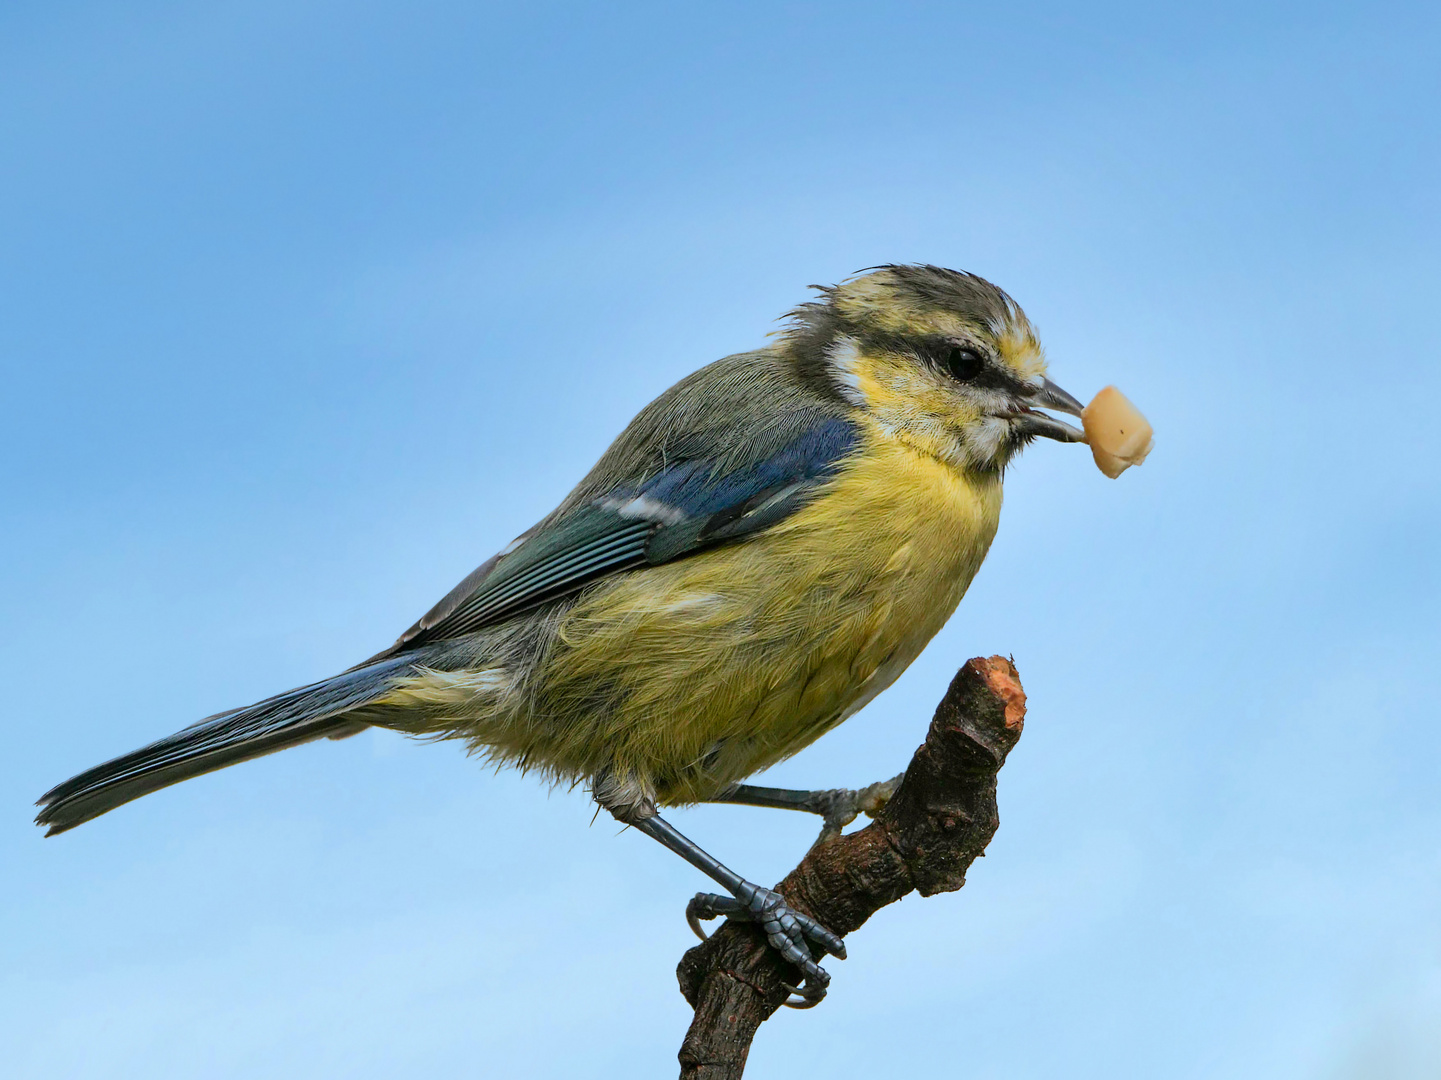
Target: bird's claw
{"x": 787, "y": 931}
{"x": 838, "y": 807}
{"x": 807, "y": 996}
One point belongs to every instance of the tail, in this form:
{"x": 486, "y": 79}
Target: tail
{"x": 276, "y": 723}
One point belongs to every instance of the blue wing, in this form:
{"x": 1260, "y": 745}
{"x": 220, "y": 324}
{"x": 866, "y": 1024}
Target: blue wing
{"x": 685, "y": 507}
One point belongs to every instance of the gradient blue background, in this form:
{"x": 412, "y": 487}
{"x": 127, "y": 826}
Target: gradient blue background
{"x": 308, "y": 307}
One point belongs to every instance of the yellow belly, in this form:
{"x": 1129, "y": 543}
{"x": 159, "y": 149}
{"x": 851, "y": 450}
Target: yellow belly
{"x": 695, "y": 674}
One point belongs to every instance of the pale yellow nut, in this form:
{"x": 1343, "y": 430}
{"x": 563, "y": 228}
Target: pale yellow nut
{"x": 1119, "y": 435}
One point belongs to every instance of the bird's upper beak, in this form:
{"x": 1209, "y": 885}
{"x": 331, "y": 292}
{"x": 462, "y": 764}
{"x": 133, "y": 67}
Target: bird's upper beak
{"x": 1048, "y": 396}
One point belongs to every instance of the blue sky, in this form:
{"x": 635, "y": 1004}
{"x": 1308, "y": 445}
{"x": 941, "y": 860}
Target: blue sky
{"x": 307, "y": 308}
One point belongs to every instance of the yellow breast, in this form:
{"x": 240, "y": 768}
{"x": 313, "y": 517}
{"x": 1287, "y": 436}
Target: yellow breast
{"x": 697, "y": 673}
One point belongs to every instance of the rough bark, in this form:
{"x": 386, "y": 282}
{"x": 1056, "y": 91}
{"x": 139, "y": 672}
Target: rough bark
{"x": 939, "y": 820}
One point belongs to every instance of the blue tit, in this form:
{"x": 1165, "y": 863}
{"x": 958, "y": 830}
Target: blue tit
{"x": 761, "y": 552}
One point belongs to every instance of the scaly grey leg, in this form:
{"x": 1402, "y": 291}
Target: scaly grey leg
{"x": 787, "y": 930}
{"x": 838, "y": 807}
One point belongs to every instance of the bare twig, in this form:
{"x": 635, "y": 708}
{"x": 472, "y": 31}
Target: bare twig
{"x": 939, "y": 820}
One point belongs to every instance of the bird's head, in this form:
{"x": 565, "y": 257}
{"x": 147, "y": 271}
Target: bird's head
{"x": 942, "y": 360}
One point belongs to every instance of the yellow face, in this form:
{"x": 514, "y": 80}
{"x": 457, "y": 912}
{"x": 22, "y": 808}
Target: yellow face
{"x": 942, "y": 361}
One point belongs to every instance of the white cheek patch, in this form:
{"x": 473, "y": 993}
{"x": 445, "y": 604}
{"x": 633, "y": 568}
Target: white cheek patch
{"x": 992, "y": 402}
{"x": 842, "y": 357}
{"x": 988, "y": 437}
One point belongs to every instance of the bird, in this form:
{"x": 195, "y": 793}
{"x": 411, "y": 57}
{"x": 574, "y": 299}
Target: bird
{"x": 762, "y": 551}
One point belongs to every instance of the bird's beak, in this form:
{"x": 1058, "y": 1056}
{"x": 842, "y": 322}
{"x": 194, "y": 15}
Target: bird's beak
{"x": 1049, "y": 396}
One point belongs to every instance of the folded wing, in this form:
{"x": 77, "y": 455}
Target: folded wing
{"x": 683, "y": 508}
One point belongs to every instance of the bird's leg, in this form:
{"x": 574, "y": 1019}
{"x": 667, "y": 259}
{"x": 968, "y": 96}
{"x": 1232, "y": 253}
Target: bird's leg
{"x": 788, "y": 931}
{"x": 837, "y": 807}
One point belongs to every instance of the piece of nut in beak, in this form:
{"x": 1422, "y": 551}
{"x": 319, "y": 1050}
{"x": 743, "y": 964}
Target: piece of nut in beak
{"x": 1119, "y": 435}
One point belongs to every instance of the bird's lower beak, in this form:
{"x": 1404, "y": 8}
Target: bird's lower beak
{"x": 1049, "y": 396}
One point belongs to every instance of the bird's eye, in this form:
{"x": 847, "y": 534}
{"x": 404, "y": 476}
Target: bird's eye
{"x": 963, "y": 364}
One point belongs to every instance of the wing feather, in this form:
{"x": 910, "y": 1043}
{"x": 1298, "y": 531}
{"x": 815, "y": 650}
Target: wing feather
{"x": 683, "y": 508}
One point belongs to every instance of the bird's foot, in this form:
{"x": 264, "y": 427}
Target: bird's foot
{"x": 838, "y": 807}
{"x": 788, "y": 931}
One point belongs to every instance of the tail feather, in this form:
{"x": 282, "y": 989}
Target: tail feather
{"x": 288, "y": 719}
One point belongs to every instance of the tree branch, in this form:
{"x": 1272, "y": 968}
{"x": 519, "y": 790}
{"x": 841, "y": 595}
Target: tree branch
{"x": 939, "y": 820}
